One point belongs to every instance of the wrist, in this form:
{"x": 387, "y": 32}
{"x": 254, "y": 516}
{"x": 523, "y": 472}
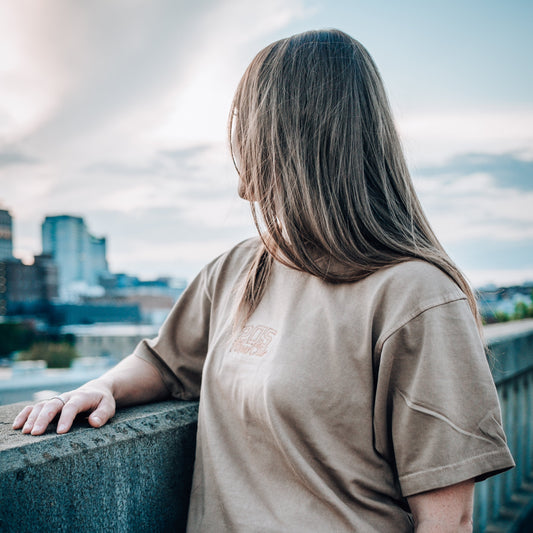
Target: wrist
{"x": 104, "y": 383}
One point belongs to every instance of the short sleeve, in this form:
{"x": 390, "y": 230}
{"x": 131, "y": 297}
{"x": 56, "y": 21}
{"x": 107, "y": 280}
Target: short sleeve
{"x": 179, "y": 350}
{"x": 436, "y": 396}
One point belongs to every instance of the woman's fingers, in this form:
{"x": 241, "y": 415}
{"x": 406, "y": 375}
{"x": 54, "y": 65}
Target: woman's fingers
{"x": 21, "y": 418}
{"x": 32, "y": 417}
{"x": 104, "y": 411}
{"x": 69, "y": 412}
{"x": 34, "y": 413}
{"x": 102, "y": 406}
{"x": 48, "y": 411}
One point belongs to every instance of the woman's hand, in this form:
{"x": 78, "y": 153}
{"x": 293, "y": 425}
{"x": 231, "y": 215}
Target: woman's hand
{"x": 133, "y": 381}
{"x": 95, "y": 397}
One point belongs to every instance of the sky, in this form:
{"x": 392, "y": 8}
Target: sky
{"x": 116, "y": 110}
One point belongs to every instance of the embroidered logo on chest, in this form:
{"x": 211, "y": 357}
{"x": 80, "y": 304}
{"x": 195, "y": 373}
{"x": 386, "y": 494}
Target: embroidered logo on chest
{"x": 254, "y": 340}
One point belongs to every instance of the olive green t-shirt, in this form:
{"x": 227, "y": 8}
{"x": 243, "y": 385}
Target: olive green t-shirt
{"x": 334, "y": 403}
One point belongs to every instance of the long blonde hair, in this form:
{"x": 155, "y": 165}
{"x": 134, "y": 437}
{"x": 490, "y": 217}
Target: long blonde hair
{"x": 320, "y": 161}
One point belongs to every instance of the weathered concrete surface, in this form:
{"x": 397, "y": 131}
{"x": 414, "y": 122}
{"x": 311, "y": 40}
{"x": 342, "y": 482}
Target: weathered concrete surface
{"x": 132, "y": 475}
{"x": 511, "y": 346}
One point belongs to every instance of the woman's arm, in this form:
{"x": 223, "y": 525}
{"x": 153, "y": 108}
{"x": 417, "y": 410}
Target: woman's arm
{"x": 446, "y": 510}
{"x": 132, "y": 381}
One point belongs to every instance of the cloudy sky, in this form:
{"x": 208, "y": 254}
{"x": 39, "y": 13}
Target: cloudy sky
{"x": 116, "y": 110}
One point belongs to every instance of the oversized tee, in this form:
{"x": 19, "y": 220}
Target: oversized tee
{"x": 334, "y": 402}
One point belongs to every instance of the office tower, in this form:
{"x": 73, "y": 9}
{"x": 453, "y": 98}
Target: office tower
{"x": 81, "y": 257}
{"x": 6, "y": 235}
{"x": 27, "y": 289}
{"x": 97, "y": 259}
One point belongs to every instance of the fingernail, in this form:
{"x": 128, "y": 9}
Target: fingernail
{"x": 37, "y": 428}
{"x": 61, "y": 428}
{"x": 97, "y": 420}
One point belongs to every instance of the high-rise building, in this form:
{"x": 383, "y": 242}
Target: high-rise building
{"x": 81, "y": 257}
{"x": 24, "y": 289}
{"x": 6, "y": 235}
{"x": 97, "y": 259}
{"x": 27, "y": 289}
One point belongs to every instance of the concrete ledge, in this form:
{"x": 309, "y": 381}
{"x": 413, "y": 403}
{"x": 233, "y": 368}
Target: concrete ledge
{"x": 511, "y": 345}
{"x": 133, "y": 475}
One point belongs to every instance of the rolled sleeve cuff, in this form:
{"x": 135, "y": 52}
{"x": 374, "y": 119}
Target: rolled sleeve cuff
{"x": 478, "y": 468}
{"x": 172, "y": 383}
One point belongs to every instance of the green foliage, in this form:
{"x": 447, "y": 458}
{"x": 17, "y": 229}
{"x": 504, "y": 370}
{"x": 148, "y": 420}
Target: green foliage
{"x": 501, "y": 316}
{"x": 15, "y": 336}
{"x": 523, "y": 310}
{"x": 56, "y": 354}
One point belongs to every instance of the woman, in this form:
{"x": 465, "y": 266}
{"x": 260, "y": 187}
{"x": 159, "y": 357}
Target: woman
{"x": 342, "y": 379}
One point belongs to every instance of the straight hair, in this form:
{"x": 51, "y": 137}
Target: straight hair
{"x": 319, "y": 159}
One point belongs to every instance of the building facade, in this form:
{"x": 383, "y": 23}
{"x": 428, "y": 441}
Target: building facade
{"x": 80, "y": 256}
{"x": 27, "y": 289}
{"x": 6, "y": 235}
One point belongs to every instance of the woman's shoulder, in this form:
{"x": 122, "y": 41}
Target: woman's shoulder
{"x": 231, "y": 265}
{"x": 404, "y": 290}
{"x": 418, "y": 276}
{"x": 243, "y": 252}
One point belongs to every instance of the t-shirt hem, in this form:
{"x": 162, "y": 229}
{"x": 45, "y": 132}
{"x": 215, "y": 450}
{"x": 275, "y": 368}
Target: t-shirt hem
{"x": 478, "y": 468}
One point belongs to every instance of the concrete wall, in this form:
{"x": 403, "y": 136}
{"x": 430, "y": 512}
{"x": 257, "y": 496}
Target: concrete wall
{"x": 132, "y": 475}
{"x": 511, "y": 347}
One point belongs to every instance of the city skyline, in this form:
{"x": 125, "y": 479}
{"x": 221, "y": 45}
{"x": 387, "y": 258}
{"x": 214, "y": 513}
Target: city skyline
{"x": 121, "y": 120}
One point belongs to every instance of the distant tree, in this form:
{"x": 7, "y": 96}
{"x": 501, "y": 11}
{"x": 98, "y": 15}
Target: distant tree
{"x": 523, "y": 310}
{"x": 501, "y": 316}
{"x": 15, "y": 336}
{"x": 56, "y": 354}
{"x": 520, "y": 311}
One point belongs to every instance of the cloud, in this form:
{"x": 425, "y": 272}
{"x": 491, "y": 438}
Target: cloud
{"x": 16, "y": 158}
{"x": 168, "y": 240}
{"x": 124, "y": 67}
{"x": 507, "y": 170}
{"x": 479, "y": 198}
{"x": 123, "y": 105}
{"x": 480, "y": 207}
{"x": 494, "y": 260}
{"x": 104, "y": 56}
{"x": 432, "y": 137}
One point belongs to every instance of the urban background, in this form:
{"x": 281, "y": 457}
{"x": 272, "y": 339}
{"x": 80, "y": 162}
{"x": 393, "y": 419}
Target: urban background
{"x": 67, "y": 311}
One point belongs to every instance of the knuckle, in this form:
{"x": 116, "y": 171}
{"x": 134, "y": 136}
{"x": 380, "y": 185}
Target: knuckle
{"x": 41, "y": 418}
{"x": 48, "y": 414}
{"x": 73, "y": 404}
